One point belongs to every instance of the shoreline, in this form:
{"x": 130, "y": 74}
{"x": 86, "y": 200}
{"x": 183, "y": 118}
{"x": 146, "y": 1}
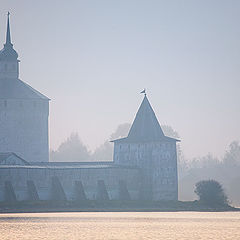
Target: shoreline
{"x": 107, "y": 210}
{"x": 111, "y": 206}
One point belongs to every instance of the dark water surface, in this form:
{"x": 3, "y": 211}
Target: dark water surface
{"x": 124, "y": 225}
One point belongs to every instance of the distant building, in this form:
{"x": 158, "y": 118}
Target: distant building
{"x": 148, "y": 148}
{"x": 144, "y": 165}
{"x": 23, "y": 110}
{"x": 12, "y": 159}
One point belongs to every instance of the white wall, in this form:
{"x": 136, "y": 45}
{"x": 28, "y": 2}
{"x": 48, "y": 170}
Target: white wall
{"x": 24, "y": 128}
{"x": 67, "y": 176}
{"x": 158, "y": 160}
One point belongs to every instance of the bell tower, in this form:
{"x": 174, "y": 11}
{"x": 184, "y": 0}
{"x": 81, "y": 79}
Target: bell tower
{"x": 23, "y": 110}
{"x": 9, "y": 63}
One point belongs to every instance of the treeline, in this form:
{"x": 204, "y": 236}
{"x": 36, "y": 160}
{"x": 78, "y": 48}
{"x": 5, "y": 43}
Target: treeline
{"x": 225, "y": 170}
{"x": 74, "y": 150}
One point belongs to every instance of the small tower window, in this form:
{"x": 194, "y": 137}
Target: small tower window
{"x": 5, "y": 67}
{"x": 5, "y": 103}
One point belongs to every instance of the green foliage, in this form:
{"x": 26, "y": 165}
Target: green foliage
{"x": 210, "y": 192}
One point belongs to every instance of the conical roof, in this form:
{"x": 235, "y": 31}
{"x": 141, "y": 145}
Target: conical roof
{"x": 145, "y": 127}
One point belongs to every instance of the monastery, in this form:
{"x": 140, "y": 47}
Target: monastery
{"x": 144, "y": 164}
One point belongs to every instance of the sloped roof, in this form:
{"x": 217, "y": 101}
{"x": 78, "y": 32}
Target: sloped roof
{"x": 4, "y": 156}
{"x": 17, "y": 89}
{"x": 145, "y": 127}
{"x": 10, "y": 158}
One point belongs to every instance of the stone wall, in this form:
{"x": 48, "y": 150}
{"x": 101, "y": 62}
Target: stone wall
{"x": 46, "y": 181}
{"x": 158, "y": 161}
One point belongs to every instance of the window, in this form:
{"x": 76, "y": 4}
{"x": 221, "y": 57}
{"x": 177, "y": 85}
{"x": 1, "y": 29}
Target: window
{"x": 5, "y": 103}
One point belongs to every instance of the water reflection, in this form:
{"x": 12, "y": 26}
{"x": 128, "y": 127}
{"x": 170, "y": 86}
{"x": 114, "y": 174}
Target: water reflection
{"x": 115, "y": 225}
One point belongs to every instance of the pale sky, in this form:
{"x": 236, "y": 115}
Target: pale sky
{"x": 92, "y": 58}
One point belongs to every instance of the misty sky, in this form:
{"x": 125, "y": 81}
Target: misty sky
{"x": 92, "y": 58}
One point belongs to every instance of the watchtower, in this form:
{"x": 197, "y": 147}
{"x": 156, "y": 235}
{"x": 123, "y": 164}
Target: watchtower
{"x": 148, "y": 148}
{"x": 23, "y": 110}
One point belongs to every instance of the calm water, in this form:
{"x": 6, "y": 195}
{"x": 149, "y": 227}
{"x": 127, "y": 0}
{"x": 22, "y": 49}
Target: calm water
{"x": 130, "y": 226}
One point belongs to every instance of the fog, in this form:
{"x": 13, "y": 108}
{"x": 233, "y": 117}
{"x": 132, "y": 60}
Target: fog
{"x": 190, "y": 171}
{"x": 92, "y": 58}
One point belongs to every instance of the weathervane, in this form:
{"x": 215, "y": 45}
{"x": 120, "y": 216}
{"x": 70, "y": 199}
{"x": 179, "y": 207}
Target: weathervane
{"x": 144, "y": 91}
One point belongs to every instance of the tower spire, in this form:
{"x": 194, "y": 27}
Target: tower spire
{"x": 8, "y": 35}
{"x": 8, "y": 57}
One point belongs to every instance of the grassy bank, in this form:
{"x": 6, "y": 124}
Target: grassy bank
{"x": 110, "y": 206}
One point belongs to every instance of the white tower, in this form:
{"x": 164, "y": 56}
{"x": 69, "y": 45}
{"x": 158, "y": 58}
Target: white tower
{"x": 155, "y": 154}
{"x": 23, "y": 110}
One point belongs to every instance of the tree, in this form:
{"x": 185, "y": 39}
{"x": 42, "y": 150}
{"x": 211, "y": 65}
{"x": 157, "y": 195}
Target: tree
{"x": 121, "y": 131}
{"x": 71, "y": 150}
{"x": 210, "y": 192}
{"x": 169, "y": 131}
{"x": 105, "y": 151}
{"x": 232, "y": 157}
{"x": 208, "y": 161}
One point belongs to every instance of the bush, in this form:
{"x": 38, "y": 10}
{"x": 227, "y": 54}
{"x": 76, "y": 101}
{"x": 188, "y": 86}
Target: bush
{"x": 210, "y": 192}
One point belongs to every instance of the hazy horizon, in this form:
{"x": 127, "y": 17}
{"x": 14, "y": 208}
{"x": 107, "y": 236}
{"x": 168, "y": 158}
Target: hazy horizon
{"x": 92, "y": 59}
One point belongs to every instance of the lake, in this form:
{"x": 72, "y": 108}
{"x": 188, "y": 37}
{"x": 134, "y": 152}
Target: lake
{"x": 120, "y": 225}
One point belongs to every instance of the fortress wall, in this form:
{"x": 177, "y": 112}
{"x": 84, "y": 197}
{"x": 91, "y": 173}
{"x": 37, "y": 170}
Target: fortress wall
{"x": 89, "y": 177}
